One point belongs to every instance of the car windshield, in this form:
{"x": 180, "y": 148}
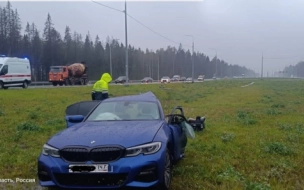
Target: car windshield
{"x": 120, "y": 78}
{"x": 176, "y": 76}
{"x": 125, "y": 110}
{"x": 56, "y": 69}
{"x": 165, "y": 77}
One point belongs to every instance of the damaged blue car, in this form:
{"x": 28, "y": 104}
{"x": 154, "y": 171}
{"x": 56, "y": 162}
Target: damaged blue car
{"x": 119, "y": 142}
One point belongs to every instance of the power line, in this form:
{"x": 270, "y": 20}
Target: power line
{"x": 282, "y": 57}
{"x": 153, "y": 30}
{"x": 107, "y": 6}
{"x": 141, "y": 24}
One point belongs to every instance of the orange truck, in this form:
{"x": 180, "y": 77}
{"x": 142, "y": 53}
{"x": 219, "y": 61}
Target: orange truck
{"x": 75, "y": 74}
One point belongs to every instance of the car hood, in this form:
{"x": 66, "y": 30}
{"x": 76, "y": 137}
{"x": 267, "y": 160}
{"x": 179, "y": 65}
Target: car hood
{"x": 124, "y": 133}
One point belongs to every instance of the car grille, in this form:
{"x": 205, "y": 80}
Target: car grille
{"x": 91, "y": 180}
{"x": 98, "y": 154}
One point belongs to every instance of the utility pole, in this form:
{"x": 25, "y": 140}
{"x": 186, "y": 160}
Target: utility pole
{"x": 193, "y": 60}
{"x": 262, "y": 67}
{"x": 216, "y": 65}
{"x": 192, "y": 57}
{"x": 173, "y": 61}
{"x": 111, "y": 59}
{"x": 152, "y": 64}
{"x": 111, "y": 55}
{"x": 126, "y": 34}
{"x": 158, "y": 68}
{"x": 215, "y": 61}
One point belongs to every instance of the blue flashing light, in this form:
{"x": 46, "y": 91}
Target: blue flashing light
{"x": 25, "y": 58}
{"x": 2, "y": 55}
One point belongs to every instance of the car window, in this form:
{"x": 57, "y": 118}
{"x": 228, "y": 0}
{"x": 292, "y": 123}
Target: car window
{"x": 56, "y": 69}
{"x": 4, "y": 70}
{"x": 125, "y": 110}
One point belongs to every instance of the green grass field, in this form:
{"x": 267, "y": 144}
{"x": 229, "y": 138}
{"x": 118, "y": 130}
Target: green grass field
{"x": 254, "y": 136}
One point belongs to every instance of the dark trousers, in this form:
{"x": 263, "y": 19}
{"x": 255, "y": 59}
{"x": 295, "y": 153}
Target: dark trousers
{"x": 105, "y": 96}
{"x": 100, "y": 96}
{"x": 93, "y": 95}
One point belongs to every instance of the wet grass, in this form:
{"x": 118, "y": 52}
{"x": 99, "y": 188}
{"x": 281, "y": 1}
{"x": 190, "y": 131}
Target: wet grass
{"x": 254, "y": 136}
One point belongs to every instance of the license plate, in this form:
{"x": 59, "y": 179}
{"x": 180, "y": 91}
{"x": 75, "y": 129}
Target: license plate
{"x": 95, "y": 168}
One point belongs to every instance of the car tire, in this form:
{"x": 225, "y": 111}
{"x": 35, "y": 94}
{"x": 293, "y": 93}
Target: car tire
{"x": 66, "y": 82}
{"x": 167, "y": 175}
{"x": 24, "y": 85}
{"x": 1, "y": 85}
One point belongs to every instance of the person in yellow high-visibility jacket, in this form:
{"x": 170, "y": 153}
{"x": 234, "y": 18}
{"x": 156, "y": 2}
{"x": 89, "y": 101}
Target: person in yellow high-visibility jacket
{"x": 100, "y": 89}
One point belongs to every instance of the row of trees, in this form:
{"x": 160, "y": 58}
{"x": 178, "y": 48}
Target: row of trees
{"x": 49, "y": 49}
{"x": 295, "y": 70}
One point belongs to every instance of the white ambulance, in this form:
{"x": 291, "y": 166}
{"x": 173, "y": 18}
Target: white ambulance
{"x": 14, "y": 72}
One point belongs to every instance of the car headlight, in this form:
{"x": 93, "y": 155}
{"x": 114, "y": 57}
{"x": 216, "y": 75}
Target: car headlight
{"x": 150, "y": 148}
{"x": 48, "y": 150}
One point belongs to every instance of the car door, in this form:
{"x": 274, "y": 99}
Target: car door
{"x": 179, "y": 136}
{"x": 80, "y": 108}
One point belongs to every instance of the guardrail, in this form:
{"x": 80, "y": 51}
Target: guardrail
{"x": 91, "y": 82}
{"x": 40, "y": 83}
{"x": 47, "y": 83}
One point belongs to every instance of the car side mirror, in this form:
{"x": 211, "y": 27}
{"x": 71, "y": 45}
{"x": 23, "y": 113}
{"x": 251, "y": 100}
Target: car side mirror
{"x": 73, "y": 119}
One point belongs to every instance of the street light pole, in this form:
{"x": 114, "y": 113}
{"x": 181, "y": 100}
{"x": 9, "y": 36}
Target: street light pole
{"x": 111, "y": 55}
{"x": 192, "y": 57}
{"x": 262, "y": 66}
{"x": 215, "y": 61}
{"x": 158, "y": 68}
{"x": 126, "y": 34}
{"x": 111, "y": 59}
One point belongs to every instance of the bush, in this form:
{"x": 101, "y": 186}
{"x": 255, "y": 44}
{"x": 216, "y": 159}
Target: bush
{"x": 277, "y": 148}
{"x": 26, "y": 126}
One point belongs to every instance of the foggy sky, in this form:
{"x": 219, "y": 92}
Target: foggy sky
{"x": 240, "y": 30}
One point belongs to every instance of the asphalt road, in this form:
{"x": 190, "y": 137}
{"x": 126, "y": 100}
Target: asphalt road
{"x": 111, "y": 84}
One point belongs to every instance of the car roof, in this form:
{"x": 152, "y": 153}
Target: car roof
{"x": 148, "y": 96}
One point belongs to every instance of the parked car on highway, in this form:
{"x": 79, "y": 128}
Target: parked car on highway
{"x": 147, "y": 80}
{"x": 165, "y": 79}
{"x": 121, "y": 79}
{"x": 189, "y": 80}
{"x": 119, "y": 142}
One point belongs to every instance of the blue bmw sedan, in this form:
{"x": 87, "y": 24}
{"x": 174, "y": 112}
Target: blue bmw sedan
{"x": 119, "y": 142}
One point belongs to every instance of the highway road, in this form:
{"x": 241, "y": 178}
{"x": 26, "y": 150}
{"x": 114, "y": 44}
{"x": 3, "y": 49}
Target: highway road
{"x": 92, "y": 82}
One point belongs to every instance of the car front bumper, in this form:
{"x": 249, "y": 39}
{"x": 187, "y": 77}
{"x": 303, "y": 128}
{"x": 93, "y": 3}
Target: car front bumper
{"x": 139, "y": 171}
